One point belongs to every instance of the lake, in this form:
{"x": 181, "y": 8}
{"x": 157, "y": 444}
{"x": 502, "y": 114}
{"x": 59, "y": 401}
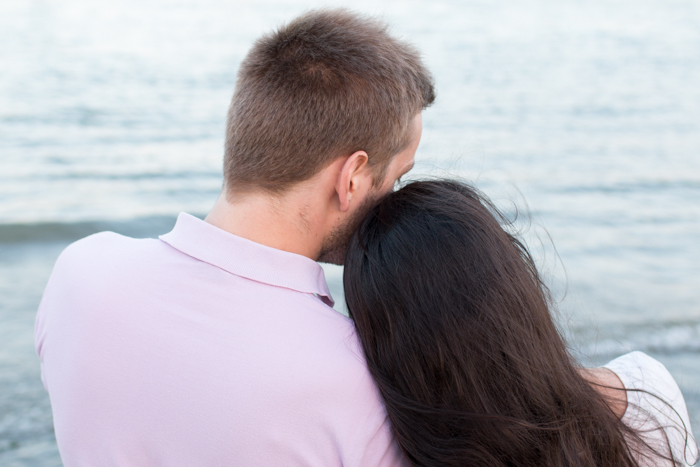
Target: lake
{"x": 583, "y": 116}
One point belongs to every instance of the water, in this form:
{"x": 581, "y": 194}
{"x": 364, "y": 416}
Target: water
{"x": 112, "y": 117}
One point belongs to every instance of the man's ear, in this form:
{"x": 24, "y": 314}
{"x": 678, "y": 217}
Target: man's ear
{"x": 353, "y": 176}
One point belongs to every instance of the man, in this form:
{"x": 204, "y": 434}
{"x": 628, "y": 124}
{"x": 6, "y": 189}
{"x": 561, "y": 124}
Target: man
{"x": 217, "y": 343}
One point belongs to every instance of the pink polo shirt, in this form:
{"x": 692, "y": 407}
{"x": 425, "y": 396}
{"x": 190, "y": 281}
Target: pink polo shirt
{"x": 203, "y": 349}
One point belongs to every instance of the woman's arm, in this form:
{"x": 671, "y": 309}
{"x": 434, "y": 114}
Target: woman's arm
{"x": 656, "y": 409}
{"x": 609, "y": 385}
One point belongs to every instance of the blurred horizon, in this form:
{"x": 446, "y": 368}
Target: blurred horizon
{"x": 583, "y": 115}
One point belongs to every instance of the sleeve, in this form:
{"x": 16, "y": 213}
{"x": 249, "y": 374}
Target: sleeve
{"x": 44, "y": 314}
{"x": 58, "y": 289}
{"x": 656, "y": 408}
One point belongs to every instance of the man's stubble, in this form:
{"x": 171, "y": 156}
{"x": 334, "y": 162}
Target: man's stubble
{"x": 336, "y": 243}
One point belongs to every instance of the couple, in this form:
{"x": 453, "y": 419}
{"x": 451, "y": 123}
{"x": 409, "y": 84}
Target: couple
{"x": 217, "y": 344}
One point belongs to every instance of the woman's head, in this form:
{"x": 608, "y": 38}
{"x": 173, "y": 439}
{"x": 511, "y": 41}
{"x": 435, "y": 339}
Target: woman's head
{"x": 454, "y": 321}
{"x": 433, "y": 278}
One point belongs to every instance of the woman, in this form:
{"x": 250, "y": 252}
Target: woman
{"x": 455, "y": 324}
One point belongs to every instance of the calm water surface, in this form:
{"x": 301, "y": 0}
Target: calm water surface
{"x": 586, "y": 114}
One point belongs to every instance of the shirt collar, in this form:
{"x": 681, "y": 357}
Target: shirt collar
{"x": 245, "y": 258}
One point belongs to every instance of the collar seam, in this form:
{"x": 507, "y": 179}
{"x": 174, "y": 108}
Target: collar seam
{"x": 311, "y": 294}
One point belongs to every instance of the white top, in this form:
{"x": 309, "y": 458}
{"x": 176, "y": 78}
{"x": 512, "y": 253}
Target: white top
{"x": 656, "y": 409}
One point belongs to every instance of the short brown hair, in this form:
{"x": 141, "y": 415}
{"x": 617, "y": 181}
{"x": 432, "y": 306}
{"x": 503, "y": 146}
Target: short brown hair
{"x": 328, "y": 84}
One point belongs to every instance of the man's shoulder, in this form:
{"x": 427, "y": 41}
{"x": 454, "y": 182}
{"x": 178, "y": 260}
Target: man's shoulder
{"x": 96, "y": 255}
{"x": 102, "y": 241}
{"x": 99, "y": 245}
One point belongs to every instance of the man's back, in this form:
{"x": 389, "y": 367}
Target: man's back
{"x": 203, "y": 348}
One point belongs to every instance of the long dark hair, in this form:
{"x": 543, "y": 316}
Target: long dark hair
{"x": 456, "y": 327}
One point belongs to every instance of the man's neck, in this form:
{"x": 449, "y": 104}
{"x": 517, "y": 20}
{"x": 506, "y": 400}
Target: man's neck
{"x": 287, "y": 223}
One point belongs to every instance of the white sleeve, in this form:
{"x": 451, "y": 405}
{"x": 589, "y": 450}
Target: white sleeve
{"x": 655, "y": 407}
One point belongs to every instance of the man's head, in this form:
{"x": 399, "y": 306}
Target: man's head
{"x": 336, "y": 242}
{"x": 326, "y": 85}
{"x": 327, "y": 108}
